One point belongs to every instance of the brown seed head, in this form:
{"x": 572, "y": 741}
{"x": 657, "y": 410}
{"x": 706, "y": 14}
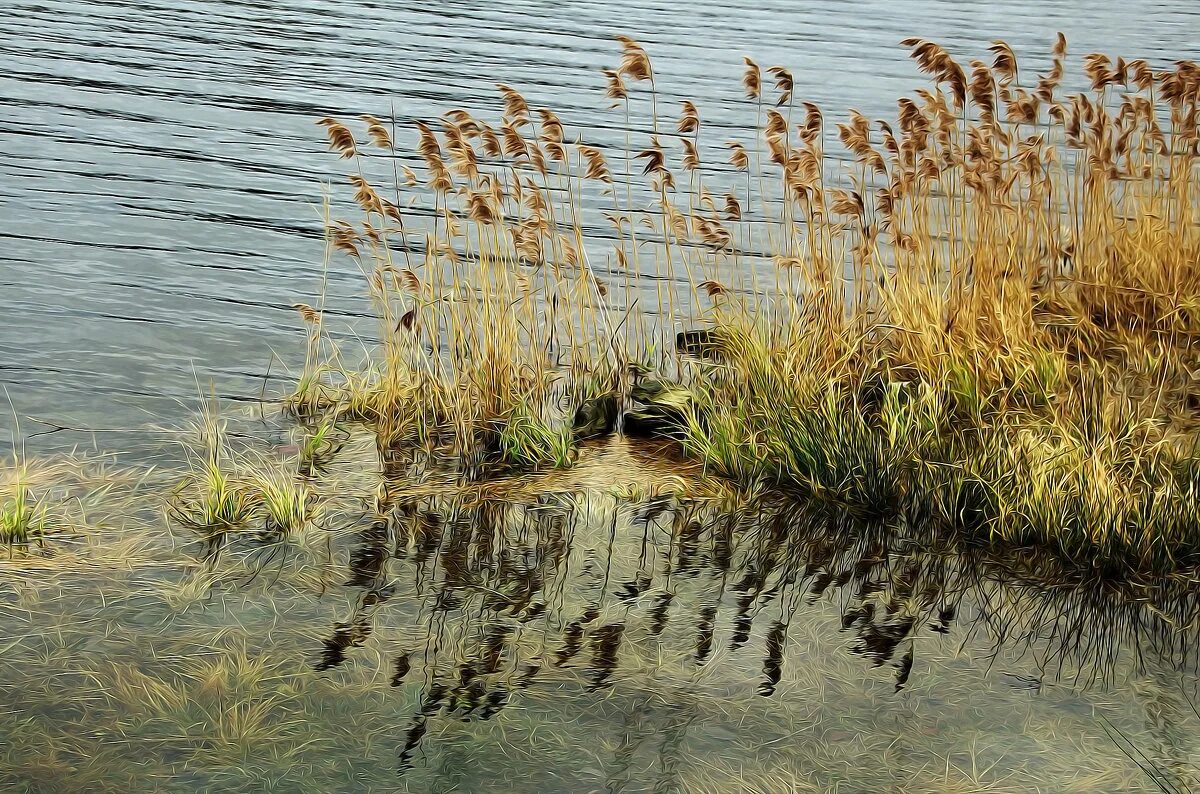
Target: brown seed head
{"x": 596, "y": 168}
{"x": 1141, "y": 74}
{"x": 1098, "y": 68}
{"x": 516, "y": 109}
{"x": 365, "y": 195}
{"x": 810, "y": 129}
{"x": 689, "y": 119}
{"x": 1060, "y": 46}
{"x": 491, "y": 142}
{"x": 377, "y": 132}
{"x": 551, "y": 127}
{"x": 341, "y": 139}
{"x": 738, "y": 156}
{"x": 307, "y": 313}
{"x": 752, "y": 79}
{"x": 1005, "y": 63}
{"x": 691, "y": 158}
{"x": 410, "y": 281}
{"x": 733, "y": 209}
{"x": 783, "y": 83}
{"x": 635, "y": 64}
{"x": 615, "y": 89}
{"x": 513, "y": 144}
{"x": 847, "y": 202}
{"x": 654, "y": 157}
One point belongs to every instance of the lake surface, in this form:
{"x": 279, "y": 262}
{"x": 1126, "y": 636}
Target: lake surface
{"x": 160, "y": 173}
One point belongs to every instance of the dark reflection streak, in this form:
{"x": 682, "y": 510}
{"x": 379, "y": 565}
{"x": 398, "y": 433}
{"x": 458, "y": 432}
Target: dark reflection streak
{"x": 368, "y": 573}
{"x": 643, "y": 576}
{"x": 623, "y": 755}
{"x": 438, "y": 617}
{"x": 643, "y": 551}
{"x": 721, "y": 557}
{"x": 669, "y": 749}
{"x": 1072, "y": 631}
{"x": 606, "y": 643}
{"x": 569, "y": 525}
{"x": 484, "y": 571}
{"x": 773, "y": 663}
{"x": 660, "y": 610}
{"x": 608, "y": 559}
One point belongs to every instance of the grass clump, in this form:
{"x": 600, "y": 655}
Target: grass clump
{"x": 212, "y": 502}
{"x": 68, "y": 506}
{"x": 983, "y": 311}
{"x": 320, "y": 443}
{"x": 528, "y": 442}
{"x": 1074, "y": 461}
{"x": 224, "y": 494}
{"x": 24, "y": 518}
{"x": 287, "y": 506}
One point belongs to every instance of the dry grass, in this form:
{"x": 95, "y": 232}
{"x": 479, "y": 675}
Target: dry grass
{"x": 985, "y": 309}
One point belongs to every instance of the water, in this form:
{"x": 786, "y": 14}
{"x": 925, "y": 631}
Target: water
{"x": 598, "y": 630}
{"x": 160, "y": 209}
{"x": 160, "y": 174}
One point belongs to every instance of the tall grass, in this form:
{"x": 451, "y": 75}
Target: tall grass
{"x": 982, "y": 312}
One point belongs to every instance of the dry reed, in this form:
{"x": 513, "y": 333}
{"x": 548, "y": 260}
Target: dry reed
{"x": 982, "y": 312}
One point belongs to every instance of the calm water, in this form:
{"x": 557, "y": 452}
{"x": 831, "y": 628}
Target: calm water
{"x": 160, "y": 172}
{"x": 586, "y": 632}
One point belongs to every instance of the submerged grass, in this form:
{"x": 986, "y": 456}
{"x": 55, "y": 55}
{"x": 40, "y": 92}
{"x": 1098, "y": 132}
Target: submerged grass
{"x": 983, "y": 313}
{"x": 218, "y": 677}
{"x": 66, "y": 499}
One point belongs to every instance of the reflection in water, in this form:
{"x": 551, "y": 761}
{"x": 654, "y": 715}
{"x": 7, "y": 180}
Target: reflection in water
{"x": 579, "y": 591}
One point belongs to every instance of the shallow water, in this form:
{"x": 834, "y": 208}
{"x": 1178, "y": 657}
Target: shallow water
{"x": 160, "y": 172}
{"x": 597, "y": 630}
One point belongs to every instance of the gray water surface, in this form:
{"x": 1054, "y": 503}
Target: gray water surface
{"x": 161, "y": 176}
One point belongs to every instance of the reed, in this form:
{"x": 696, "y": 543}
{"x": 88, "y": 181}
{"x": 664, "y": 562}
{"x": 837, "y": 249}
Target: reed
{"x": 982, "y": 312}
